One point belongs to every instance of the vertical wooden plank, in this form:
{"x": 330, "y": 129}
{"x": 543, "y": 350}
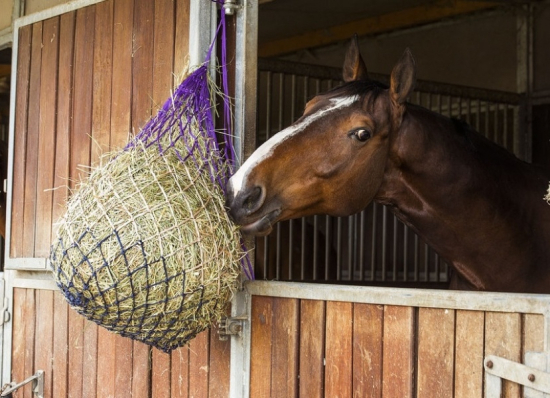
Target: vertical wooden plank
{"x": 367, "y": 350}
{"x": 18, "y": 340}
{"x": 90, "y": 355}
{"x": 198, "y": 365}
{"x": 181, "y": 48}
{"x": 533, "y": 333}
{"x": 261, "y": 340}
{"x": 46, "y": 137}
{"x": 338, "y": 354}
{"x": 105, "y": 363}
{"x": 33, "y": 126}
{"x": 312, "y": 350}
{"x": 83, "y": 83}
{"x": 163, "y": 48}
{"x": 160, "y": 377}
{"x": 436, "y": 329}
{"x": 123, "y": 369}
{"x": 44, "y": 336}
{"x": 284, "y": 370}
{"x": 142, "y": 66}
{"x": 218, "y": 385}
{"x": 30, "y": 337}
{"x": 470, "y": 327}
{"x": 76, "y": 355}
{"x": 398, "y": 352}
{"x": 102, "y": 75}
{"x": 180, "y": 373}
{"x": 60, "y": 347}
{"x": 20, "y": 144}
{"x": 503, "y": 339}
{"x": 122, "y": 72}
{"x": 64, "y": 115}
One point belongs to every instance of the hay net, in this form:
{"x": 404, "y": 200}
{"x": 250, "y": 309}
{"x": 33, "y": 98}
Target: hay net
{"x": 146, "y": 248}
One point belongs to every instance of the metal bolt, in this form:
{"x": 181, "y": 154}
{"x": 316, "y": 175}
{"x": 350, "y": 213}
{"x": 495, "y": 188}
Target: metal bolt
{"x": 531, "y": 377}
{"x": 489, "y": 364}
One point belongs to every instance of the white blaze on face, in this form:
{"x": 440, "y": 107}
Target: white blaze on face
{"x": 237, "y": 182}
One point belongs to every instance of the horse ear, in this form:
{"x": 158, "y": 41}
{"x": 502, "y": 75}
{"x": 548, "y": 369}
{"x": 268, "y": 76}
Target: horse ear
{"x": 403, "y": 78}
{"x": 354, "y": 66}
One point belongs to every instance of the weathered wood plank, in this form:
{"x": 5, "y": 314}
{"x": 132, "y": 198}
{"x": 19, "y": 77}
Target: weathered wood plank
{"x": 105, "y": 363}
{"x": 90, "y": 356}
{"x": 60, "y": 345}
{"x": 163, "y": 50}
{"x": 76, "y": 354}
{"x": 180, "y": 373}
{"x": 64, "y": 114}
{"x": 102, "y": 75}
{"x": 181, "y": 38}
{"x": 469, "y": 354}
{"x": 503, "y": 339}
{"x": 141, "y": 369}
{"x": 284, "y": 368}
{"x": 398, "y": 351}
{"x": 218, "y": 376}
{"x": 367, "y": 350}
{"x": 142, "y": 63}
{"x": 83, "y": 87}
{"x": 33, "y": 128}
{"x": 123, "y": 376}
{"x": 43, "y": 344}
{"x": 121, "y": 101}
{"x": 435, "y": 357}
{"x": 29, "y": 314}
{"x": 261, "y": 340}
{"x": 312, "y": 350}
{"x": 19, "y": 337}
{"x": 160, "y": 377}
{"x": 533, "y": 333}
{"x": 198, "y": 365}
{"x": 20, "y": 144}
{"x": 46, "y": 137}
{"x": 338, "y": 349}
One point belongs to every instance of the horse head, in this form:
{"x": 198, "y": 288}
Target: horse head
{"x": 332, "y": 159}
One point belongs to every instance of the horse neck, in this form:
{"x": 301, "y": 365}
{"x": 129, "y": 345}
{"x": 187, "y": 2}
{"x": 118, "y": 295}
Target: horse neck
{"x": 458, "y": 191}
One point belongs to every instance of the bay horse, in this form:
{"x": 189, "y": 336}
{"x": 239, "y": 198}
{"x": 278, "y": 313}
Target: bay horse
{"x": 477, "y": 205}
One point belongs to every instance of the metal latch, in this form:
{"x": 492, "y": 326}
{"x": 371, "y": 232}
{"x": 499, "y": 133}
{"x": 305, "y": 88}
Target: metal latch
{"x": 231, "y": 327}
{"x": 230, "y": 6}
{"x": 37, "y": 385}
{"x": 535, "y": 381}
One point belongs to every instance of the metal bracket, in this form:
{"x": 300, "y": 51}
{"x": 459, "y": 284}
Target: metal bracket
{"x": 5, "y": 315}
{"x": 231, "y": 327}
{"x": 536, "y": 382}
{"x": 230, "y": 6}
{"x": 37, "y": 385}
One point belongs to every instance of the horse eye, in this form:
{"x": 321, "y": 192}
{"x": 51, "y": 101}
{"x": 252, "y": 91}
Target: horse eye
{"x": 360, "y": 135}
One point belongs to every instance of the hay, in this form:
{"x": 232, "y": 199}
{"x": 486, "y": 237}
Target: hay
{"x": 146, "y": 248}
{"x": 547, "y": 197}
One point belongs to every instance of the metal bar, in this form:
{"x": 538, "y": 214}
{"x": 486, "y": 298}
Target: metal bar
{"x": 339, "y": 248}
{"x": 351, "y": 247}
{"x": 362, "y": 246}
{"x": 328, "y": 245}
{"x": 315, "y": 247}
{"x": 384, "y": 241}
{"x": 394, "y": 250}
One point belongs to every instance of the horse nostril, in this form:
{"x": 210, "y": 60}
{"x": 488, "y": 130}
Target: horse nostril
{"x": 253, "y": 201}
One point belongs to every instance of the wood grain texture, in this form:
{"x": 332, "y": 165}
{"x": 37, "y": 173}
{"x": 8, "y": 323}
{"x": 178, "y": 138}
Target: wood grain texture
{"x": 46, "y": 137}
{"x": 469, "y": 348}
{"x": 284, "y": 370}
{"x": 261, "y": 342}
{"x": 180, "y": 373}
{"x": 20, "y": 144}
{"x": 435, "y": 357}
{"x": 220, "y": 357}
{"x": 338, "y": 349}
{"x": 398, "y": 351}
{"x": 198, "y": 365}
{"x": 368, "y": 322}
{"x": 312, "y": 348}
{"x": 44, "y": 336}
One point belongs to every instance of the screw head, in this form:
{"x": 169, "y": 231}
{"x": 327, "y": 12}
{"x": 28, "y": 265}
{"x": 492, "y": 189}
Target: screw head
{"x": 489, "y": 364}
{"x": 531, "y": 377}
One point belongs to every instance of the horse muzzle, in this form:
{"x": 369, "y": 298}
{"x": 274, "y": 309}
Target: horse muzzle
{"x": 247, "y": 209}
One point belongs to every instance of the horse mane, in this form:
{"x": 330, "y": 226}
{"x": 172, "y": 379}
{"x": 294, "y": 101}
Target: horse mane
{"x": 360, "y": 88}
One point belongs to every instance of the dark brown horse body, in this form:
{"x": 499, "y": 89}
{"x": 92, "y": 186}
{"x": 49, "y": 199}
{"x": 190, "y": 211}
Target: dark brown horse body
{"x": 478, "y": 206}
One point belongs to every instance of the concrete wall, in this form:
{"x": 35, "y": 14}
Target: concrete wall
{"x": 5, "y": 16}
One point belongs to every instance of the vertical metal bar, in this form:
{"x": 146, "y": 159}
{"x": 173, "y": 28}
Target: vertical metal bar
{"x": 290, "y": 249}
{"x": 497, "y": 134}
{"x": 280, "y": 125}
{"x": 373, "y": 245}
{"x": 315, "y": 247}
{"x": 266, "y": 257}
{"x": 384, "y": 241}
{"x": 328, "y": 246}
{"x": 351, "y": 248}
{"x": 291, "y": 222}
{"x": 426, "y": 262}
{"x": 339, "y": 248}
{"x": 278, "y": 253}
{"x": 469, "y": 111}
{"x": 268, "y": 95}
{"x": 505, "y": 129}
{"x": 406, "y": 253}
{"x": 416, "y": 256}
{"x": 362, "y": 246}
{"x": 394, "y": 250}
{"x": 478, "y": 119}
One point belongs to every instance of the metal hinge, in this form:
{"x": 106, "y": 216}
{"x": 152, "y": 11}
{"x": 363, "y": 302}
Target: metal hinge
{"x": 230, "y": 6}
{"x": 231, "y": 327}
{"x": 37, "y": 385}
